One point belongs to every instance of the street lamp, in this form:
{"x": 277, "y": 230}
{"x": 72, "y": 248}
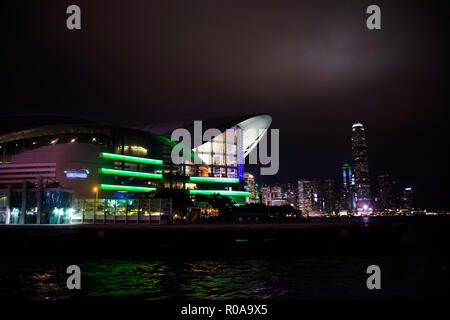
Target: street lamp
{"x": 95, "y": 201}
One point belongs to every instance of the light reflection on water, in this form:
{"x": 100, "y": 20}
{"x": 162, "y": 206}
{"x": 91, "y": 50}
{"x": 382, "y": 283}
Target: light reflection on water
{"x": 204, "y": 279}
{"x": 341, "y": 276}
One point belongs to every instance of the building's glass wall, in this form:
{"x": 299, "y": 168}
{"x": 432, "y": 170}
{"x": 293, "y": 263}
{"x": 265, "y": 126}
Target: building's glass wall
{"x": 221, "y": 155}
{"x": 77, "y": 210}
{"x": 133, "y": 205}
{"x": 145, "y": 207}
{"x": 99, "y": 208}
{"x": 60, "y": 211}
{"x": 121, "y": 207}
{"x": 121, "y": 210}
{"x": 138, "y": 151}
{"x": 89, "y": 207}
{"x": 31, "y": 209}
{"x": 132, "y": 145}
{"x": 55, "y": 207}
{"x": 110, "y": 207}
{"x": 3, "y": 207}
{"x": 15, "y": 207}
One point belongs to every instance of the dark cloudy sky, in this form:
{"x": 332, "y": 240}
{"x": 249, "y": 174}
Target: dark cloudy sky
{"x": 312, "y": 65}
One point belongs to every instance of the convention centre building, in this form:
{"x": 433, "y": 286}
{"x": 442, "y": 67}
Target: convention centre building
{"x": 62, "y": 172}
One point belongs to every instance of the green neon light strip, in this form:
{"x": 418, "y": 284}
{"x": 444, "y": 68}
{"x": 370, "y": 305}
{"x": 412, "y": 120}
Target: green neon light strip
{"x": 125, "y": 188}
{"x": 215, "y": 179}
{"x": 130, "y": 158}
{"x": 222, "y": 192}
{"x": 132, "y": 173}
{"x": 241, "y": 240}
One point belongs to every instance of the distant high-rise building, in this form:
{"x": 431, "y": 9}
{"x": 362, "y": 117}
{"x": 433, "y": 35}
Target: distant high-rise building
{"x": 360, "y": 163}
{"x": 290, "y": 194}
{"x": 265, "y": 194}
{"x": 272, "y": 195}
{"x": 277, "y": 195}
{"x": 249, "y": 180}
{"x": 328, "y": 196}
{"x": 345, "y": 202}
{"x": 316, "y": 190}
{"x": 316, "y": 196}
{"x": 346, "y": 176}
{"x": 305, "y": 195}
{"x": 386, "y": 196}
{"x": 407, "y": 200}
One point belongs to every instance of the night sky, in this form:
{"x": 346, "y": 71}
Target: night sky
{"x": 313, "y": 66}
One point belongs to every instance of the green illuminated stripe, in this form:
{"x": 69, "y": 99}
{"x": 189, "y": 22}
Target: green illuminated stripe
{"x": 130, "y": 158}
{"x": 222, "y": 192}
{"x": 125, "y": 188}
{"x": 215, "y": 179}
{"x": 132, "y": 173}
{"x": 241, "y": 240}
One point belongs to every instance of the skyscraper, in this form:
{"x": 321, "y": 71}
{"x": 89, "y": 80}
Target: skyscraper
{"x": 328, "y": 196}
{"x": 316, "y": 196}
{"x": 272, "y": 195}
{"x": 249, "y": 180}
{"x": 265, "y": 195}
{"x": 386, "y": 192}
{"x": 304, "y": 196}
{"x": 360, "y": 163}
{"x": 316, "y": 191}
{"x": 346, "y": 188}
{"x": 407, "y": 201}
{"x": 290, "y": 194}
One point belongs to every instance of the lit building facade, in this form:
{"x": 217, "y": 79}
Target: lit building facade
{"x": 83, "y": 172}
{"x": 265, "y": 194}
{"x": 316, "y": 196}
{"x": 328, "y": 196}
{"x": 407, "y": 198}
{"x": 290, "y": 194}
{"x": 386, "y": 195}
{"x": 316, "y": 191}
{"x": 272, "y": 195}
{"x": 346, "y": 197}
{"x": 250, "y": 186}
{"x": 277, "y": 196}
{"x": 305, "y": 197}
{"x": 360, "y": 163}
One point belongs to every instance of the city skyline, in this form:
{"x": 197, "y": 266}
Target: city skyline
{"x": 275, "y": 179}
{"x": 352, "y": 186}
{"x": 224, "y": 158}
{"x": 316, "y": 71}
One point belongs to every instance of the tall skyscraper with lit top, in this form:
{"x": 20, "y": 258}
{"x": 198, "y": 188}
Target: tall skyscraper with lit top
{"x": 360, "y": 163}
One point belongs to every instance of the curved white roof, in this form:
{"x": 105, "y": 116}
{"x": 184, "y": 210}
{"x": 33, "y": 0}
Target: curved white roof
{"x": 253, "y": 129}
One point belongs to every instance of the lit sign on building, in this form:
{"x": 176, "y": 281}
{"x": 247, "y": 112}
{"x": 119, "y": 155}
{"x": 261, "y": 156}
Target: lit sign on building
{"x": 77, "y": 173}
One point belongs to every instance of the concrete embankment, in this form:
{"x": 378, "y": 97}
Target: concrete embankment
{"x": 427, "y": 232}
{"x": 318, "y": 234}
